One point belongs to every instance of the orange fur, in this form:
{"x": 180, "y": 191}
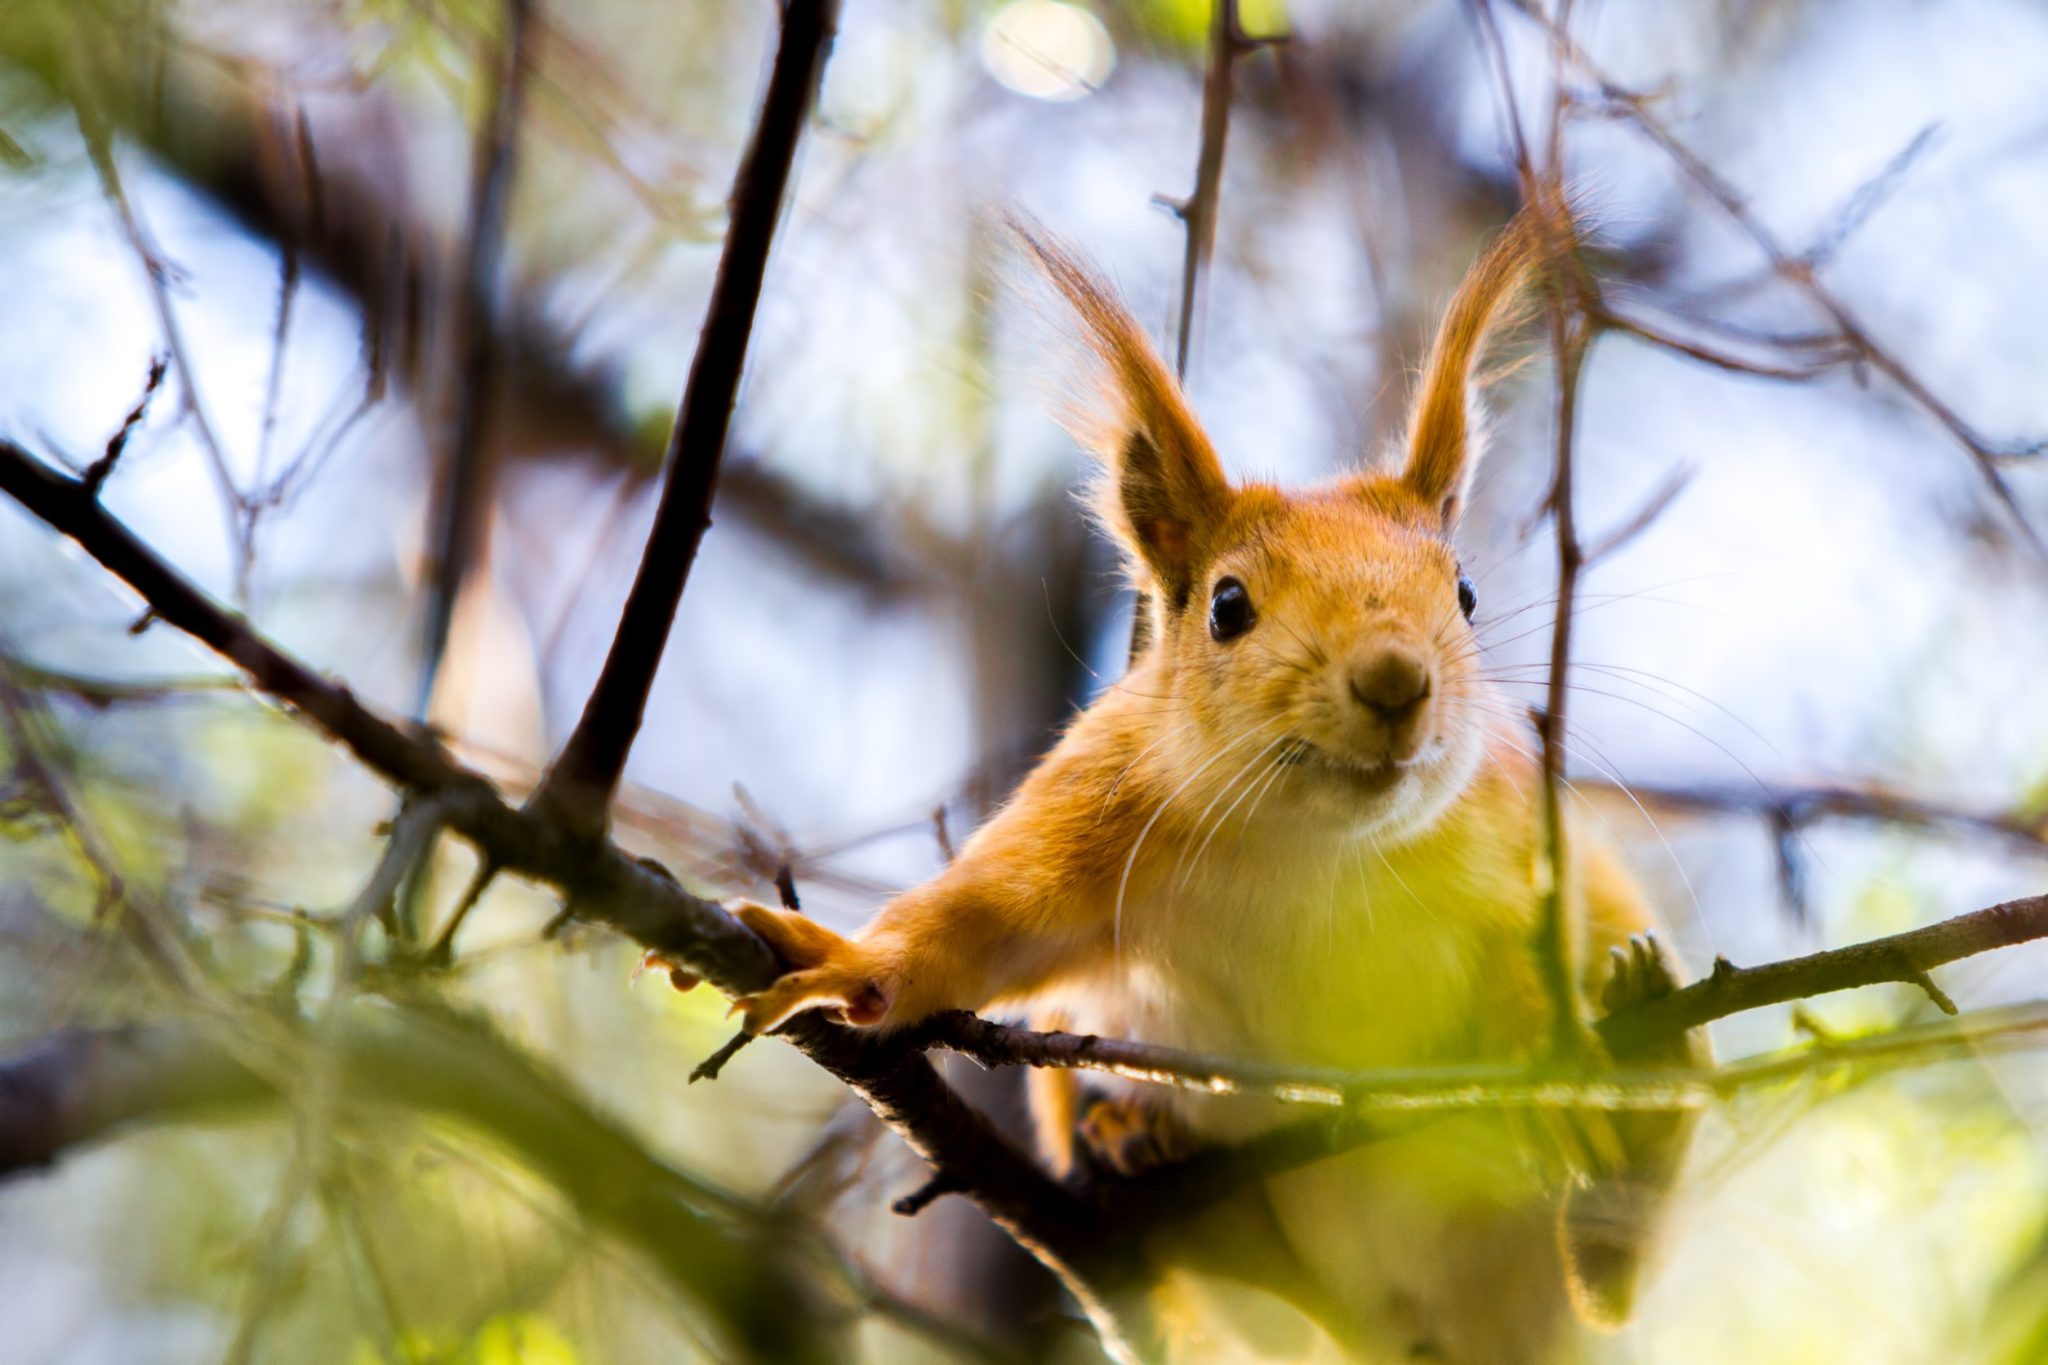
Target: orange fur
{"x": 1313, "y": 842}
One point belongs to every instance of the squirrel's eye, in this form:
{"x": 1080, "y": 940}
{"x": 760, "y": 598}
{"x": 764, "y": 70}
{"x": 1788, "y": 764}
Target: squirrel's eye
{"x": 1230, "y": 610}
{"x": 1468, "y": 596}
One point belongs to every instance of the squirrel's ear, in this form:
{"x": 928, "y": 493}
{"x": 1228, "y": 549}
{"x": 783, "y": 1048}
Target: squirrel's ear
{"x": 1164, "y": 492}
{"x": 1442, "y": 439}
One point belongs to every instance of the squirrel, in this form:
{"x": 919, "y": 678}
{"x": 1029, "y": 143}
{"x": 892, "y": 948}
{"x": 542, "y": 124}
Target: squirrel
{"x": 1299, "y": 829}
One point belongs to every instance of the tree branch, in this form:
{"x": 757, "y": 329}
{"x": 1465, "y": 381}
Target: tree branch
{"x": 1902, "y": 958}
{"x": 1797, "y": 806}
{"x": 1198, "y": 213}
{"x": 586, "y": 773}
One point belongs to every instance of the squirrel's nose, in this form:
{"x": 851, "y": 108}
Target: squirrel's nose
{"x": 1392, "y": 685}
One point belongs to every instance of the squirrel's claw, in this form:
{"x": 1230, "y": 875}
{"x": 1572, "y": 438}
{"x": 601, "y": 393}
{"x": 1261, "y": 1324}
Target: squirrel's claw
{"x": 679, "y": 976}
{"x": 831, "y": 972}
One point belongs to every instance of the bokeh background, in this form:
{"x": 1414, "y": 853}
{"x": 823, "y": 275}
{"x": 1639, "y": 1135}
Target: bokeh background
{"x": 900, "y": 602}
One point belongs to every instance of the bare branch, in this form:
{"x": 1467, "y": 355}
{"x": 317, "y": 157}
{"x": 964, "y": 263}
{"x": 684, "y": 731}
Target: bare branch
{"x": 1198, "y": 212}
{"x": 1903, "y": 958}
{"x": 1645, "y": 330}
{"x": 586, "y": 773}
{"x": 1799, "y": 806}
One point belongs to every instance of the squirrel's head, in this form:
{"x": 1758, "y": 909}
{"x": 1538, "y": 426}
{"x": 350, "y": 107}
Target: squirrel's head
{"x": 1319, "y": 640}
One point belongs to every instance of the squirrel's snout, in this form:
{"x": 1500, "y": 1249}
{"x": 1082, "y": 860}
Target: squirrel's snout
{"x": 1391, "y": 684}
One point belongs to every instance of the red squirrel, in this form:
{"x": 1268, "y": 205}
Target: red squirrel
{"x": 1299, "y": 829}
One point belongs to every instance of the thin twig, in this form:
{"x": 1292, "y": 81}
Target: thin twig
{"x": 461, "y": 521}
{"x": 1797, "y": 807}
{"x": 443, "y": 950}
{"x": 97, "y": 473}
{"x": 156, "y": 273}
{"x": 1572, "y": 333}
{"x": 1644, "y": 330}
{"x": 586, "y": 773}
{"x": 1198, "y": 212}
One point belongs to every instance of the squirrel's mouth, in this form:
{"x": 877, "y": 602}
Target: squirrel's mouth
{"x": 1368, "y": 778}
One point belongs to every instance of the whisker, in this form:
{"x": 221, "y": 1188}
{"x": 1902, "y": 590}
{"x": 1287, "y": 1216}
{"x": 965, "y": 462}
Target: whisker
{"x": 1124, "y": 882}
{"x": 1187, "y": 867}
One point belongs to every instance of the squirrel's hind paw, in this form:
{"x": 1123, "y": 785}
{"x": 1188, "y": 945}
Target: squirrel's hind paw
{"x": 1130, "y": 1136}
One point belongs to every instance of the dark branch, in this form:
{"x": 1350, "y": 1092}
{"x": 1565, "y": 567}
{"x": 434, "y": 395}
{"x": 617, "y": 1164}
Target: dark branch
{"x": 1198, "y": 213}
{"x": 587, "y": 772}
{"x": 1199, "y": 210}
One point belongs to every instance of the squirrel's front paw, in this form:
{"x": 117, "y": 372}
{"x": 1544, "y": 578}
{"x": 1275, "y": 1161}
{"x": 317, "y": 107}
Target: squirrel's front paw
{"x": 827, "y": 971}
{"x": 1640, "y": 973}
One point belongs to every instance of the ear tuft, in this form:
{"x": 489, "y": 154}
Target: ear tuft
{"x": 1164, "y": 493}
{"x": 1442, "y": 437}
